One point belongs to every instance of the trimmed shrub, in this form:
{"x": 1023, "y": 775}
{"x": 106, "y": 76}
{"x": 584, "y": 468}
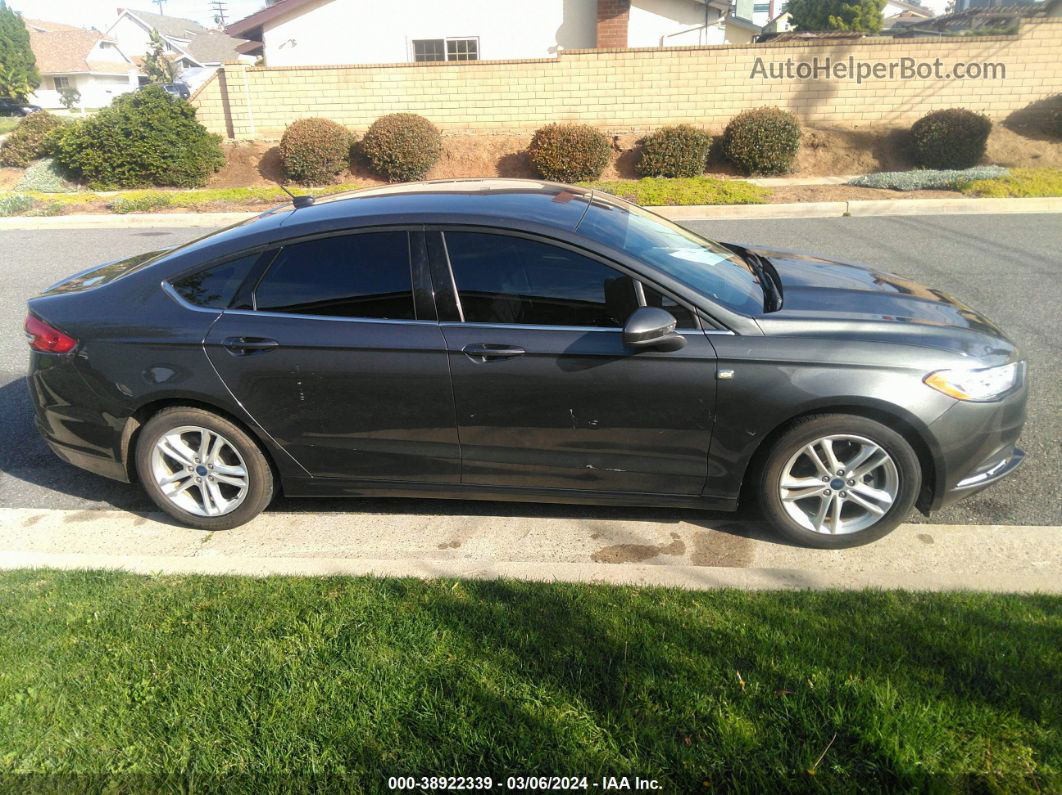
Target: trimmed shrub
{"x": 145, "y": 138}
{"x": 569, "y": 152}
{"x": 402, "y": 147}
{"x": 953, "y": 138}
{"x": 927, "y": 179}
{"x": 45, "y": 176}
{"x": 30, "y": 140}
{"x": 680, "y": 151}
{"x": 762, "y": 141}
{"x": 315, "y": 151}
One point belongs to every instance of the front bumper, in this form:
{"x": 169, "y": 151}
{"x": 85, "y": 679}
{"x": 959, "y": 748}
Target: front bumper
{"x": 977, "y": 446}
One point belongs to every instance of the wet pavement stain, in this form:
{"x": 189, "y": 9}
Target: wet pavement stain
{"x": 925, "y": 538}
{"x": 81, "y": 516}
{"x": 635, "y": 553}
{"x": 450, "y": 545}
{"x": 29, "y": 521}
{"x": 714, "y": 548}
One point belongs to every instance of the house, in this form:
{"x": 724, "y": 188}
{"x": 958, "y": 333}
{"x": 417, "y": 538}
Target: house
{"x": 987, "y": 21}
{"x": 197, "y": 50}
{"x": 321, "y": 32}
{"x": 86, "y": 60}
{"x": 898, "y": 12}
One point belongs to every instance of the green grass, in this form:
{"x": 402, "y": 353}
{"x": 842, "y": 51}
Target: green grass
{"x": 8, "y": 123}
{"x": 286, "y": 683}
{"x": 1019, "y": 184}
{"x": 656, "y": 191}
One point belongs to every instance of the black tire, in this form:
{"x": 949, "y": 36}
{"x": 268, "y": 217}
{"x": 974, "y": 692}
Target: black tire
{"x": 260, "y": 485}
{"x": 807, "y": 430}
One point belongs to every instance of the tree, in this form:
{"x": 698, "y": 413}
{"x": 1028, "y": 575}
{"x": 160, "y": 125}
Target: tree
{"x": 18, "y": 68}
{"x": 157, "y": 65}
{"x": 864, "y": 16}
{"x": 69, "y": 97}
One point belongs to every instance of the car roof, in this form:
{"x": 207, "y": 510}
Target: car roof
{"x": 544, "y": 203}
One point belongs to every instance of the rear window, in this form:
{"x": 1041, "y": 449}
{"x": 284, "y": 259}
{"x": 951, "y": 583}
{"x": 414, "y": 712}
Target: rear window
{"x": 103, "y": 274}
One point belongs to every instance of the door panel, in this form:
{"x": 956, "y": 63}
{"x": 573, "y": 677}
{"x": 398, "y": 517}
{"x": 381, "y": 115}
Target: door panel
{"x": 577, "y": 409}
{"x": 347, "y": 398}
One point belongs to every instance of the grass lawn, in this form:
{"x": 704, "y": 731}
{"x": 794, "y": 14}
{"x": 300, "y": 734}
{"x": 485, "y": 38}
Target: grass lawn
{"x": 283, "y": 683}
{"x": 650, "y": 191}
{"x": 8, "y": 123}
{"x": 1019, "y": 183}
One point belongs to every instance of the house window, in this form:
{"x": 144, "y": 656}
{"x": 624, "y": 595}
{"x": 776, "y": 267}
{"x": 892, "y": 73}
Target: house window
{"x": 466, "y": 49}
{"x": 61, "y": 83}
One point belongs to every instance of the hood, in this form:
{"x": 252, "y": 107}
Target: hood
{"x": 820, "y": 289}
{"x": 833, "y": 300}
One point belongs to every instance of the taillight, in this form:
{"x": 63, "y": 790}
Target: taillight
{"x": 47, "y": 339}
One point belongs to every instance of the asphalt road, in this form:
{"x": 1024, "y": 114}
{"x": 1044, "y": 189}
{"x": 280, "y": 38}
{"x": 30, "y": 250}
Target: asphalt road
{"x": 1009, "y": 266}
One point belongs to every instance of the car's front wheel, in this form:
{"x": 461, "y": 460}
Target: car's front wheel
{"x": 202, "y": 470}
{"x": 836, "y": 480}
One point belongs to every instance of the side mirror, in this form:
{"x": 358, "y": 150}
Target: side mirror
{"x": 652, "y": 327}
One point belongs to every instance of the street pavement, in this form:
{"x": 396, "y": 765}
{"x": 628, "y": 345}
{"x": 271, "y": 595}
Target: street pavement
{"x": 1009, "y": 266}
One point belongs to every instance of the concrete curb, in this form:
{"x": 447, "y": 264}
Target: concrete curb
{"x": 697, "y": 578}
{"x": 695, "y": 212}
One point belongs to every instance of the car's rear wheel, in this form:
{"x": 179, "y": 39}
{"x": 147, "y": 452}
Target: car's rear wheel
{"x": 202, "y": 469}
{"x": 836, "y": 480}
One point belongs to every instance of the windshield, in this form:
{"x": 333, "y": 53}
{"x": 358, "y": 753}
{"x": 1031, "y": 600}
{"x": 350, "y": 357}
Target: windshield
{"x": 707, "y": 267}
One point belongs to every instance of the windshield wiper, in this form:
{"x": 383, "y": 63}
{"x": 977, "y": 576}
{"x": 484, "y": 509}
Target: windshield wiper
{"x": 770, "y": 282}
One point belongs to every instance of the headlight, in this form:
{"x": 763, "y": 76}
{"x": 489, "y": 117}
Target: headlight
{"x": 987, "y": 383}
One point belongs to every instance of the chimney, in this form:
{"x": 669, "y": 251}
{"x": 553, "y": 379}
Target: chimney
{"x": 612, "y": 19}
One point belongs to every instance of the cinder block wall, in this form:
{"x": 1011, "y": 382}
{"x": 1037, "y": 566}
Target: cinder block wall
{"x": 636, "y": 90}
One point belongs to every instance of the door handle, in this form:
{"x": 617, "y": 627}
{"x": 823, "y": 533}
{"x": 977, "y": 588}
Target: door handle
{"x": 485, "y": 352}
{"x": 245, "y": 346}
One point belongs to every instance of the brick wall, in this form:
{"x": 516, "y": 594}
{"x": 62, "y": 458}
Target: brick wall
{"x": 613, "y": 19}
{"x": 636, "y": 90}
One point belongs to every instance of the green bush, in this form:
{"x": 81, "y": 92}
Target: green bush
{"x": 927, "y": 179}
{"x": 679, "y": 151}
{"x": 953, "y": 138}
{"x": 402, "y": 147}
{"x": 30, "y": 140}
{"x": 569, "y": 152}
{"x": 15, "y": 204}
{"x": 45, "y": 176}
{"x": 144, "y": 138}
{"x": 762, "y": 141}
{"x": 315, "y": 151}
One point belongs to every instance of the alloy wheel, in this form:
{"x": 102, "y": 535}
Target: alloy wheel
{"x": 839, "y": 484}
{"x": 199, "y": 471}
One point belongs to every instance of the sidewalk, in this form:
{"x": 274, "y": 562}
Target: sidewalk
{"x": 695, "y": 212}
{"x": 682, "y": 549}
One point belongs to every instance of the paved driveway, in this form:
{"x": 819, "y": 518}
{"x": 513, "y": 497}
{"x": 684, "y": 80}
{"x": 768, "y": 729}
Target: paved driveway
{"x": 1010, "y": 267}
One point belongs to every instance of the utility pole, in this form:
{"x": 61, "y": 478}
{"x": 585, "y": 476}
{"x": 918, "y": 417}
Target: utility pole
{"x": 220, "y": 8}
{"x": 159, "y": 3}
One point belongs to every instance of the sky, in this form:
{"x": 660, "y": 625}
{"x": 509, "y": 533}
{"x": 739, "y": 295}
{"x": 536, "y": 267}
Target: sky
{"x": 100, "y": 13}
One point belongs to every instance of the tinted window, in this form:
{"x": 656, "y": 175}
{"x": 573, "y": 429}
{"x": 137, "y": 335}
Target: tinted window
{"x": 707, "y": 267}
{"x": 679, "y": 312}
{"x": 503, "y": 279}
{"x": 363, "y": 275}
{"x": 215, "y": 286}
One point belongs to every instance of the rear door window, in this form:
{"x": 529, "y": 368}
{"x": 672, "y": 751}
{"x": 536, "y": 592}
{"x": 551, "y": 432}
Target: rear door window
{"x": 216, "y": 286}
{"x": 354, "y": 276}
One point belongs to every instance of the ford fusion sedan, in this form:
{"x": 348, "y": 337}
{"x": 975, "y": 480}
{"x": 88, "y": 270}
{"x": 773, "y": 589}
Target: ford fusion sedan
{"x": 519, "y": 340}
